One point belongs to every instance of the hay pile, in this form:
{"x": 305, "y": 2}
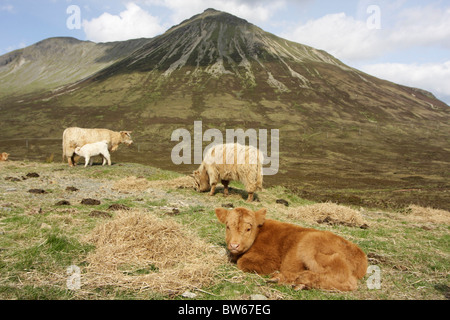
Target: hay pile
{"x": 141, "y": 251}
{"x": 420, "y": 214}
{"x": 141, "y": 184}
{"x": 177, "y": 183}
{"x": 131, "y": 184}
{"x": 327, "y": 212}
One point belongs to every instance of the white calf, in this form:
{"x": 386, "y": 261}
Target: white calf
{"x": 94, "y": 149}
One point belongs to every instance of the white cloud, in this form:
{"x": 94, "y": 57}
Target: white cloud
{"x": 434, "y": 77}
{"x": 251, "y": 10}
{"x": 403, "y": 31}
{"x": 422, "y": 26}
{"x": 352, "y": 39}
{"x": 132, "y": 23}
{"x": 339, "y": 34}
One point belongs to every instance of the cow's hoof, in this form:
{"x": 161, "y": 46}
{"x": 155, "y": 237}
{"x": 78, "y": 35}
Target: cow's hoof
{"x": 273, "y": 280}
{"x": 299, "y": 287}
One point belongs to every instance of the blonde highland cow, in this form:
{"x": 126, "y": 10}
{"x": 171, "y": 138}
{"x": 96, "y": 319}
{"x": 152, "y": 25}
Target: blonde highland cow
{"x": 230, "y": 162}
{"x": 78, "y": 137}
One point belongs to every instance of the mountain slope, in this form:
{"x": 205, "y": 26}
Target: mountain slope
{"x": 216, "y": 49}
{"x": 57, "y": 61}
{"x": 341, "y": 130}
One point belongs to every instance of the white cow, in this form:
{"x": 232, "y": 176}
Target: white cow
{"x": 94, "y": 149}
{"x": 78, "y": 137}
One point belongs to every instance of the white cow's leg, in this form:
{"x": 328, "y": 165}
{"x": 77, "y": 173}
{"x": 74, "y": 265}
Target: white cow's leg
{"x": 108, "y": 158}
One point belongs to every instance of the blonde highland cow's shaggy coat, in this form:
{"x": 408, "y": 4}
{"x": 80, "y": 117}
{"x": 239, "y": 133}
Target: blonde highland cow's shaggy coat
{"x": 230, "y": 162}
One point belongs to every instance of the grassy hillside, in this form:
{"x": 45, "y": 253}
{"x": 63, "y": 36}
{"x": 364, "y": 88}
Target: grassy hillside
{"x": 125, "y": 245}
{"x": 344, "y": 135}
{"x": 55, "y": 62}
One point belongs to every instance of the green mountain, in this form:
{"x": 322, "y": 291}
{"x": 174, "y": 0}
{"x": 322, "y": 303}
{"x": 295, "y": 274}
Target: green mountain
{"x": 53, "y": 62}
{"x": 344, "y": 135}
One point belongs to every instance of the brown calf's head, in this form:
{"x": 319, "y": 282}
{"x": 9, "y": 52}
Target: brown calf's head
{"x": 126, "y": 137}
{"x": 242, "y": 227}
{"x": 201, "y": 180}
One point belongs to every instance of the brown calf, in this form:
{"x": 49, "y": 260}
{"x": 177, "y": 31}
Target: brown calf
{"x": 4, "y": 156}
{"x": 305, "y": 258}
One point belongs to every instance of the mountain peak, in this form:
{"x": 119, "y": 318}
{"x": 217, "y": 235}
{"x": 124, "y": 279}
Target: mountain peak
{"x": 212, "y": 14}
{"x": 211, "y": 10}
{"x": 229, "y": 18}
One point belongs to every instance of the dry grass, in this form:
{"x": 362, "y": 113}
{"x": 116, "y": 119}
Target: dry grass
{"x": 131, "y": 184}
{"x": 331, "y": 211}
{"x": 141, "y": 251}
{"x": 177, "y": 183}
{"x": 145, "y": 253}
{"x": 141, "y": 184}
{"x": 420, "y": 214}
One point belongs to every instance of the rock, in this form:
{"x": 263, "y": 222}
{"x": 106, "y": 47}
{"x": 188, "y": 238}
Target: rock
{"x": 62, "y": 203}
{"x": 118, "y": 206}
{"x": 45, "y": 226}
{"x": 282, "y": 201}
{"x": 189, "y": 295}
{"x": 71, "y": 189}
{"x": 90, "y": 202}
{"x": 172, "y": 212}
{"x": 37, "y": 191}
{"x": 32, "y": 175}
{"x": 13, "y": 179}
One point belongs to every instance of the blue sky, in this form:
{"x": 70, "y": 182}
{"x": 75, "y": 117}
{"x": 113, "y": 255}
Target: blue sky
{"x": 405, "y": 41}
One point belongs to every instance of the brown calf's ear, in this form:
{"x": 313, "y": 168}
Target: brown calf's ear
{"x": 260, "y": 216}
{"x": 221, "y": 214}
